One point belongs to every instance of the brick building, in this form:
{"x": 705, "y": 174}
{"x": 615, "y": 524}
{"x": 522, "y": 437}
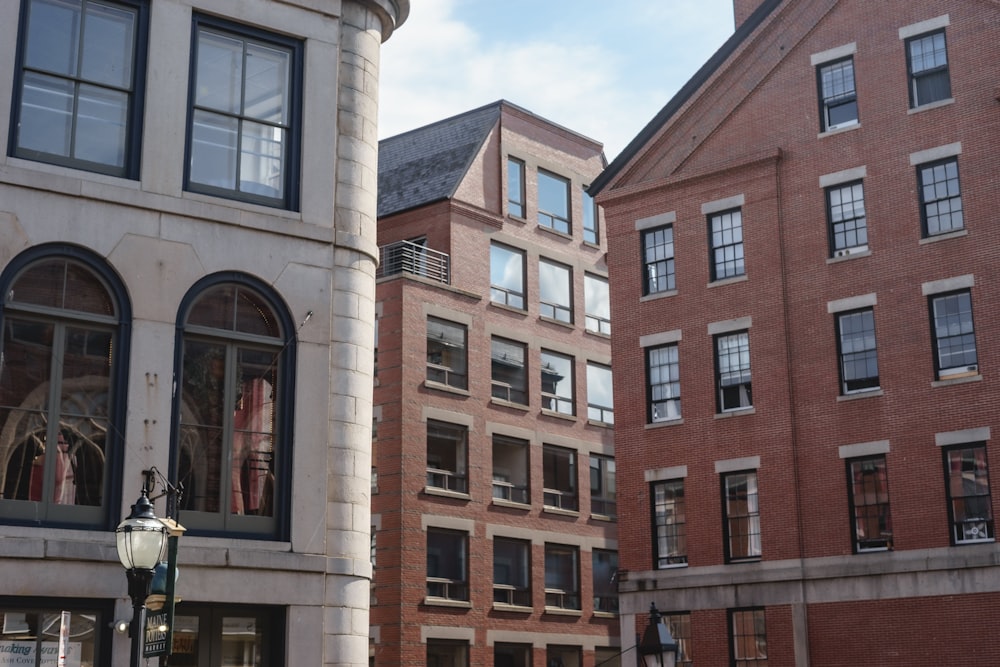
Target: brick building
{"x": 802, "y": 258}
{"x": 493, "y": 488}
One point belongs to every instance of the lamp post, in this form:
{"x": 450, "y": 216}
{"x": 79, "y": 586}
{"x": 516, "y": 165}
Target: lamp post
{"x": 141, "y": 540}
{"x": 656, "y": 640}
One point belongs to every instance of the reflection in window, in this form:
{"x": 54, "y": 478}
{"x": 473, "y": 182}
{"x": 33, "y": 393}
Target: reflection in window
{"x": 954, "y": 335}
{"x": 600, "y": 399}
{"x": 663, "y": 383}
{"x": 742, "y": 516}
{"x": 858, "y": 358}
{"x": 591, "y": 215}
{"x": 562, "y": 576}
{"x": 605, "y": 574}
{"x": 732, "y": 362}
{"x": 511, "y": 572}
{"x": 598, "y": 304}
{"x": 838, "y": 97}
{"x": 726, "y": 235}
{"x": 658, "y": 260}
{"x": 559, "y": 477}
{"x": 848, "y": 221}
{"x": 515, "y": 188}
{"x": 446, "y": 356}
{"x": 555, "y": 291}
{"x": 446, "y": 456}
{"x": 868, "y": 483}
{"x": 557, "y": 383}
{"x": 507, "y": 276}
{"x": 553, "y": 202}
{"x": 927, "y": 60}
{"x": 447, "y": 571}
{"x": 602, "y": 486}
{"x": 509, "y": 377}
{"x": 669, "y": 524}
{"x": 748, "y": 637}
{"x": 970, "y": 505}
{"x": 29, "y": 636}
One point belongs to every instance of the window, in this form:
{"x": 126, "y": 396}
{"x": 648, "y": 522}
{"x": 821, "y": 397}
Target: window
{"x": 559, "y": 478}
{"x": 508, "y": 373}
{"x": 856, "y": 345}
{"x": 553, "y": 202}
{"x": 243, "y": 125}
{"x": 228, "y": 635}
{"x": 742, "y": 516}
{"x": 605, "y": 574}
{"x": 838, "y": 99}
{"x": 669, "y": 524}
{"x": 748, "y": 637}
{"x": 954, "y": 335}
{"x": 658, "y": 260}
{"x": 591, "y": 213}
{"x": 555, "y": 291}
{"x": 511, "y": 655}
{"x": 511, "y": 572}
{"x": 970, "y": 506}
{"x": 562, "y": 576}
{"x": 663, "y": 384}
{"x": 557, "y": 383}
{"x": 927, "y": 62}
{"x": 597, "y": 296}
{"x": 29, "y": 634}
{"x": 447, "y": 653}
{"x": 848, "y": 223}
{"x": 679, "y": 624}
{"x": 732, "y": 363}
{"x": 602, "y": 486}
{"x": 510, "y": 469}
{"x": 65, "y": 338}
{"x": 447, "y": 571}
{"x": 507, "y": 276}
{"x": 726, "y": 236}
{"x": 940, "y": 197}
{"x": 610, "y": 656}
{"x": 868, "y": 484}
{"x": 600, "y": 401}
{"x": 563, "y": 656}
{"x": 232, "y": 447}
{"x": 80, "y": 83}
{"x": 446, "y": 456}
{"x": 515, "y": 188}
{"x": 446, "y": 353}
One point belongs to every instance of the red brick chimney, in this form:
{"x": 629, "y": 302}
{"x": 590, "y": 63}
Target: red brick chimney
{"x": 743, "y": 8}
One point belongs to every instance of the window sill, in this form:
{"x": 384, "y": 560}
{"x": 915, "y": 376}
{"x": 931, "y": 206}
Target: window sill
{"x": 555, "y": 232}
{"x": 558, "y": 511}
{"x": 870, "y": 393}
{"x": 605, "y": 614}
{"x": 959, "y": 233}
{"x": 518, "y": 219}
{"x": 430, "y": 384}
{"x": 509, "y": 309}
{"x": 509, "y": 404}
{"x": 728, "y": 281}
{"x": 672, "y": 566}
{"x": 445, "y": 493}
{"x": 598, "y": 334}
{"x": 592, "y": 245}
{"x": 550, "y": 320}
{"x": 736, "y": 413}
{"x": 932, "y": 105}
{"x": 512, "y": 608}
{"x": 665, "y": 422}
{"x": 604, "y": 517}
{"x": 744, "y": 561}
{"x": 445, "y": 602}
{"x": 600, "y": 424}
{"x": 658, "y": 295}
{"x": 511, "y": 504}
{"x": 558, "y": 415}
{"x": 839, "y": 130}
{"x": 849, "y": 256}
{"x": 559, "y": 611}
{"x": 947, "y": 382}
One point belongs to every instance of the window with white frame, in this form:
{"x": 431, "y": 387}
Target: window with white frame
{"x": 726, "y": 237}
{"x": 562, "y": 576}
{"x": 845, "y": 207}
{"x": 559, "y": 478}
{"x": 868, "y": 485}
{"x": 243, "y": 128}
{"x": 669, "y": 524}
{"x": 954, "y": 335}
{"x": 604, "y": 570}
{"x": 600, "y": 398}
{"x": 507, "y": 276}
{"x": 508, "y": 373}
{"x": 515, "y": 188}
{"x": 591, "y": 218}
{"x": 557, "y": 383}
{"x": 838, "y": 98}
{"x": 940, "y": 197}
{"x": 742, "y": 516}
{"x": 447, "y": 566}
{"x": 970, "y": 504}
{"x": 598, "y": 304}
{"x": 511, "y": 572}
{"x": 856, "y": 347}
{"x": 747, "y": 637}
{"x": 555, "y": 291}
{"x": 663, "y": 383}
{"x": 732, "y": 369}
{"x": 553, "y": 202}
{"x": 927, "y": 65}
{"x": 510, "y": 469}
{"x": 602, "y": 486}
{"x": 447, "y": 359}
{"x": 658, "y": 260}
{"x": 447, "y": 456}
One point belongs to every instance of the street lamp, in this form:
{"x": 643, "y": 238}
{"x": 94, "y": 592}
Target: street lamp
{"x": 658, "y": 641}
{"x": 141, "y": 540}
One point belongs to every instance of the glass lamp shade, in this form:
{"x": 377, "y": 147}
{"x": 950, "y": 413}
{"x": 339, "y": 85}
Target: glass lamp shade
{"x": 141, "y": 538}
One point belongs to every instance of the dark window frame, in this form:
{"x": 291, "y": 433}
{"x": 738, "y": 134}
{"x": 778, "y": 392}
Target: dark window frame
{"x": 553, "y": 401}
{"x": 876, "y": 505}
{"x": 501, "y": 380}
{"x": 103, "y": 611}
{"x": 516, "y": 202}
{"x": 972, "y": 459}
{"x": 508, "y": 296}
{"x": 665, "y": 530}
{"x": 743, "y": 396}
{"x": 591, "y": 218}
{"x": 560, "y": 481}
{"x": 740, "y": 621}
{"x": 554, "y": 220}
{"x": 658, "y": 260}
{"x": 446, "y": 440}
{"x": 512, "y": 480}
{"x": 561, "y": 597}
{"x": 451, "y": 588}
{"x": 931, "y": 207}
{"x": 828, "y": 104}
{"x": 603, "y": 486}
{"x": 604, "y": 579}
{"x": 968, "y": 367}
{"x": 598, "y": 412}
{"x": 841, "y": 228}
{"x": 549, "y": 305}
{"x": 750, "y": 518}
{"x": 512, "y": 585}
{"x": 917, "y": 78}
{"x": 679, "y": 624}
{"x": 660, "y": 391}
{"x": 447, "y": 360}
{"x": 854, "y": 356}
{"x": 727, "y": 253}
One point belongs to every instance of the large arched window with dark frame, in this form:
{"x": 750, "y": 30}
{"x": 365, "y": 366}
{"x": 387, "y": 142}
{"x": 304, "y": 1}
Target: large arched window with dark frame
{"x": 63, "y": 363}
{"x": 231, "y": 448}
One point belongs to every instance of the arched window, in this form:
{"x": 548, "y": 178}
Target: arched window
{"x": 63, "y": 358}
{"x": 231, "y": 448}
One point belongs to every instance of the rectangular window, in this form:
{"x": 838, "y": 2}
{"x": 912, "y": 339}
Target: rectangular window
{"x": 563, "y": 656}
{"x": 600, "y": 399}
{"x": 510, "y": 469}
{"x": 669, "y": 524}
{"x": 598, "y": 304}
{"x": 511, "y": 572}
{"x": 555, "y": 291}
{"x": 602, "y": 486}
{"x": 845, "y": 206}
{"x": 954, "y": 335}
{"x": 679, "y": 624}
{"x": 927, "y": 62}
{"x": 515, "y": 188}
{"x": 658, "y": 260}
{"x": 732, "y": 368}
{"x": 838, "y": 99}
{"x": 507, "y": 276}
{"x": 663, "y": 383}
{"x": 970, "y": 505}
{"x": 605, "y": 574}
{"x": 868, "y": 484}
{"x": 553, "y": 202}
{"x": 726, "y": 240}
{"x": 447, "y": 361}
{"x": 447, "y": 569}
{"x": 243, "y": 128}
{"x": 562, "y": 576}
{"x": 447, "y": 653}
{"x": 741, "y": 520}
{"x": 940, "y": 197}
{"x": 508, "y": 374}
{"x": 591, "y": 215}
{"x": 747, "y": 637}
{"x": 557, "y": 383}
{"x": 29, "y": 634}
{"x": 447, "y": 456}
{"x": 511, "y": 655}
{"x": 78, "y": 93}
{"x": 559, "y": 478}
{"x": 856, "y": 346}
{"x": 606, "y": 656}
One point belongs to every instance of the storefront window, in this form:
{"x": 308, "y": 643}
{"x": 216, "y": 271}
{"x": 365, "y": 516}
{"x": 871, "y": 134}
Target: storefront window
{"x": 29, "y": 635}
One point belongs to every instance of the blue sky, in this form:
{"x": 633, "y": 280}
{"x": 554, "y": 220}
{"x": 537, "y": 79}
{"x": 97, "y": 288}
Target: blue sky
{"x": 600, "y": 67}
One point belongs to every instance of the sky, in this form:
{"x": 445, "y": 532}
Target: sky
{"x": 602, "y": 68}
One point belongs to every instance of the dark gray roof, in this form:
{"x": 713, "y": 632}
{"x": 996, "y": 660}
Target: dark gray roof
{"x": 427, "y": 164}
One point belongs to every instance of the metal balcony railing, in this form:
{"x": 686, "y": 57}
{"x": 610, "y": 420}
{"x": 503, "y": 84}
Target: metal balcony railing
{"x": 415, "y": 259}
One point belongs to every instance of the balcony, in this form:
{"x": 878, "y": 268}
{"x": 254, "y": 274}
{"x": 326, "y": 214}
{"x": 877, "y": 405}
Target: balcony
{"x": 415, "y": 259}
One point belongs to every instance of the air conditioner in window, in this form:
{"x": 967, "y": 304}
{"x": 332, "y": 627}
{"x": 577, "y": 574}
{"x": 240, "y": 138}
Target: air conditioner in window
{"x": 975, "y": 531}
{"x": 842, "y": 253}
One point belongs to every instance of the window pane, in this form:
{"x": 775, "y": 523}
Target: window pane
{"x": 554, "y": 285}
{"x": 108, "y": 45}
{"x": 220, "y": 72}
{"x": 262, "y": 160}
{"x": 557, "y": 383}
{"x": 515, "y": 188}
{"x": 507, "y": 276}
{"x": 30, "y": 636}
{"x": 46, "y": 116}
{"x": 553, "y": 202}
{"x": 669, "y": 523}
{"x": 598, "y": 304}
{"x": 869, "y": 488}
{"x": 214, "y": 150}
{"x": 600, "y": 400}
{"x": 509, "y": 375}
{"x": 268, "y": 72}
{"x": 742, "y": 516}
{"x": 101, "y": 125}
{"x": 53, "y": 36}
{"x": 971, "y": 508}
{"x": 559, "y": 477}
{"x": 664, "y": 383}
{"x": 658, "y": 251}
